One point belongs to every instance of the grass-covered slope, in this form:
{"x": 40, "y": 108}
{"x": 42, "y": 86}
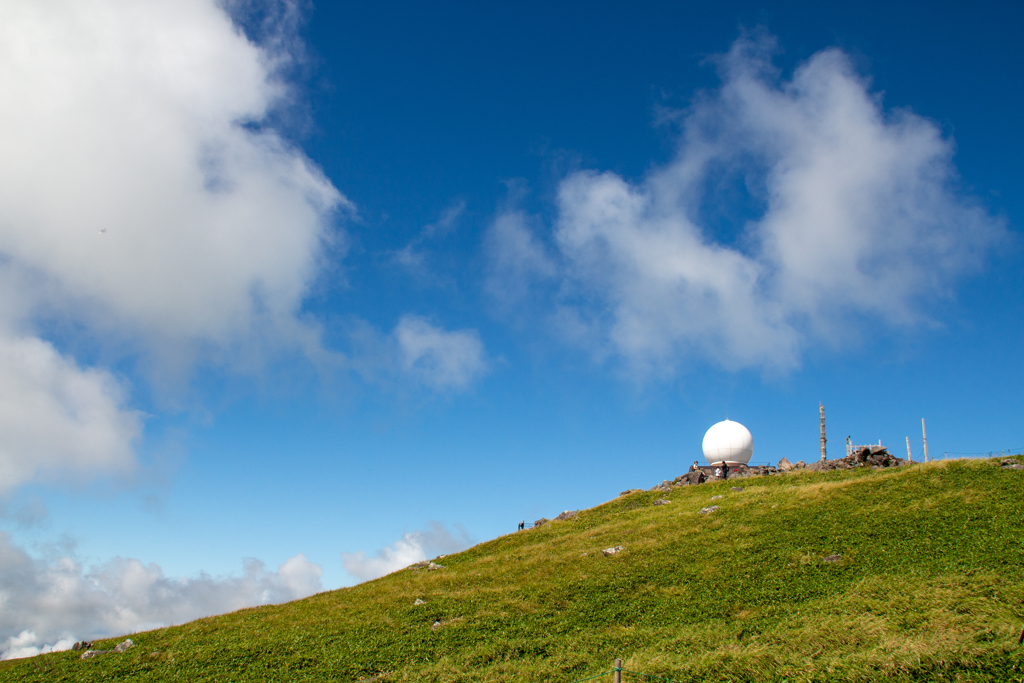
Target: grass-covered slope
{"x": 930, "y": 587}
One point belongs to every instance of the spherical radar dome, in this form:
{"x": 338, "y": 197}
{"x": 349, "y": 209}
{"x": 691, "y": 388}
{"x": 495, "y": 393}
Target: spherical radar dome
{"x": 730, "y": 442}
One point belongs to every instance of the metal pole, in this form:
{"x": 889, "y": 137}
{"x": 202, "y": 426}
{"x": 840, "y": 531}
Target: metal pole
{"x": 618, "y": 671}
{"x": 910, "y": 458}
{"x": 924, "y": 437}
{"x": 821, "y": 409}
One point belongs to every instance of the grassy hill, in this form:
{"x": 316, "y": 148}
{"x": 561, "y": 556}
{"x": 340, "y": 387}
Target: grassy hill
{"x": 930, "y": 587}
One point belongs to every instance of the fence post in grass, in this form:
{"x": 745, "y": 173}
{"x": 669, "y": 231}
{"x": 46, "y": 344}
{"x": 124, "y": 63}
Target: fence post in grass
{"x": 618, "y": 671}
{"x": 924, "y": 437}
{"x": 910, "y": 458}
{"x": 821, "y": 410}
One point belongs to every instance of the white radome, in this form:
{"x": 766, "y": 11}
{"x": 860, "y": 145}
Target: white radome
{"x": 730, "y": 442}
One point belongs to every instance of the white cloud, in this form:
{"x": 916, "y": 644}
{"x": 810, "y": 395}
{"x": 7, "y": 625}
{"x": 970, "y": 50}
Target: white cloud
{"x": 518, "y": 259}
{"x": 58, "y": 420}
{"x": 131, "y": 119}
{"x": 28, "y": 644}
{"x": 439, "y": 358}
{"x": 412, "y": 547}
{"x": 416, "y": 354}
{"x": 146, "y": 204}
{"x": 48, "y": 605}
{"x": 448, "y": 220}
{"x": 414, "y": 255}
{"x": 859, "y": 220}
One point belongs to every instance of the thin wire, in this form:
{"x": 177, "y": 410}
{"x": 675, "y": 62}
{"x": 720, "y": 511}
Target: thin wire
{"x": 604, "y": 673}
{"x": 660, "y": 678}
{"x": 1005, "y": 451}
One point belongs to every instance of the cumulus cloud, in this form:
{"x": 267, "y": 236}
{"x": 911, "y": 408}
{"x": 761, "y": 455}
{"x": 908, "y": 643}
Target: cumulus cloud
{"x": 135, "y": 185}
{"x": 416, "y": 353}
{"x": 57, "y": 419}
{"x": 412, "y": 547}
{"x": 440, "y": 359}
{"x": 49, "y": 604}
{"x": 146, "y": 203}
{"x": 856, "y": 216}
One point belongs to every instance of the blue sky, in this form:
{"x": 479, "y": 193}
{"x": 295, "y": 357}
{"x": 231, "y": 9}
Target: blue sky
{"x": 336, "y": 288}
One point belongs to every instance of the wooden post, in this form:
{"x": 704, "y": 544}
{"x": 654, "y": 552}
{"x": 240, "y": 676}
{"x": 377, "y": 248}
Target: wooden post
{"x": 924, "y": 436}
{"x": 618, "y": 671}
{"x": 821, "y": 409}
{"x": 910, "y": 458}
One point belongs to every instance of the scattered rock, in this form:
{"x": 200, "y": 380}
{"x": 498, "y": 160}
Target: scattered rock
{"x": 663, "y": 486}
{"x": 568, "y": 514}
{"x": 705, "y": 511}
{"x": 541, "y": 522}
{"x": 832, "y": 558}
{"x": 662, "y": 501}
{"x": 436, "y": 625}
{"x": 737, "y": 488}
{"x": 717, "y": 497}
{"x": 691, "y": 478}
{"x": 784, "y": 465}
{"x": 89, "y": 654}
{"x": 799, "y": 465}
{"x": 431, "y": 566}
{"x": 1011, "y": 465}
{"x": 81, "y": 645}
{"x": 626, "y": 493}
{"x": 612, "y": 551}
{"x": 419, "y": 602}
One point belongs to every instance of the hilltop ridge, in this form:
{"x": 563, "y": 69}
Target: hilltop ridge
{"x": 907, "y": 573}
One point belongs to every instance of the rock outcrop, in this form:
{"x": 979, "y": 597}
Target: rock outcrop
{"x": 691, "y": 478}
{"x": 119, "y": 648}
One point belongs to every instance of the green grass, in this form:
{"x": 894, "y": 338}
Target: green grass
{"x": 930, "y": 587}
